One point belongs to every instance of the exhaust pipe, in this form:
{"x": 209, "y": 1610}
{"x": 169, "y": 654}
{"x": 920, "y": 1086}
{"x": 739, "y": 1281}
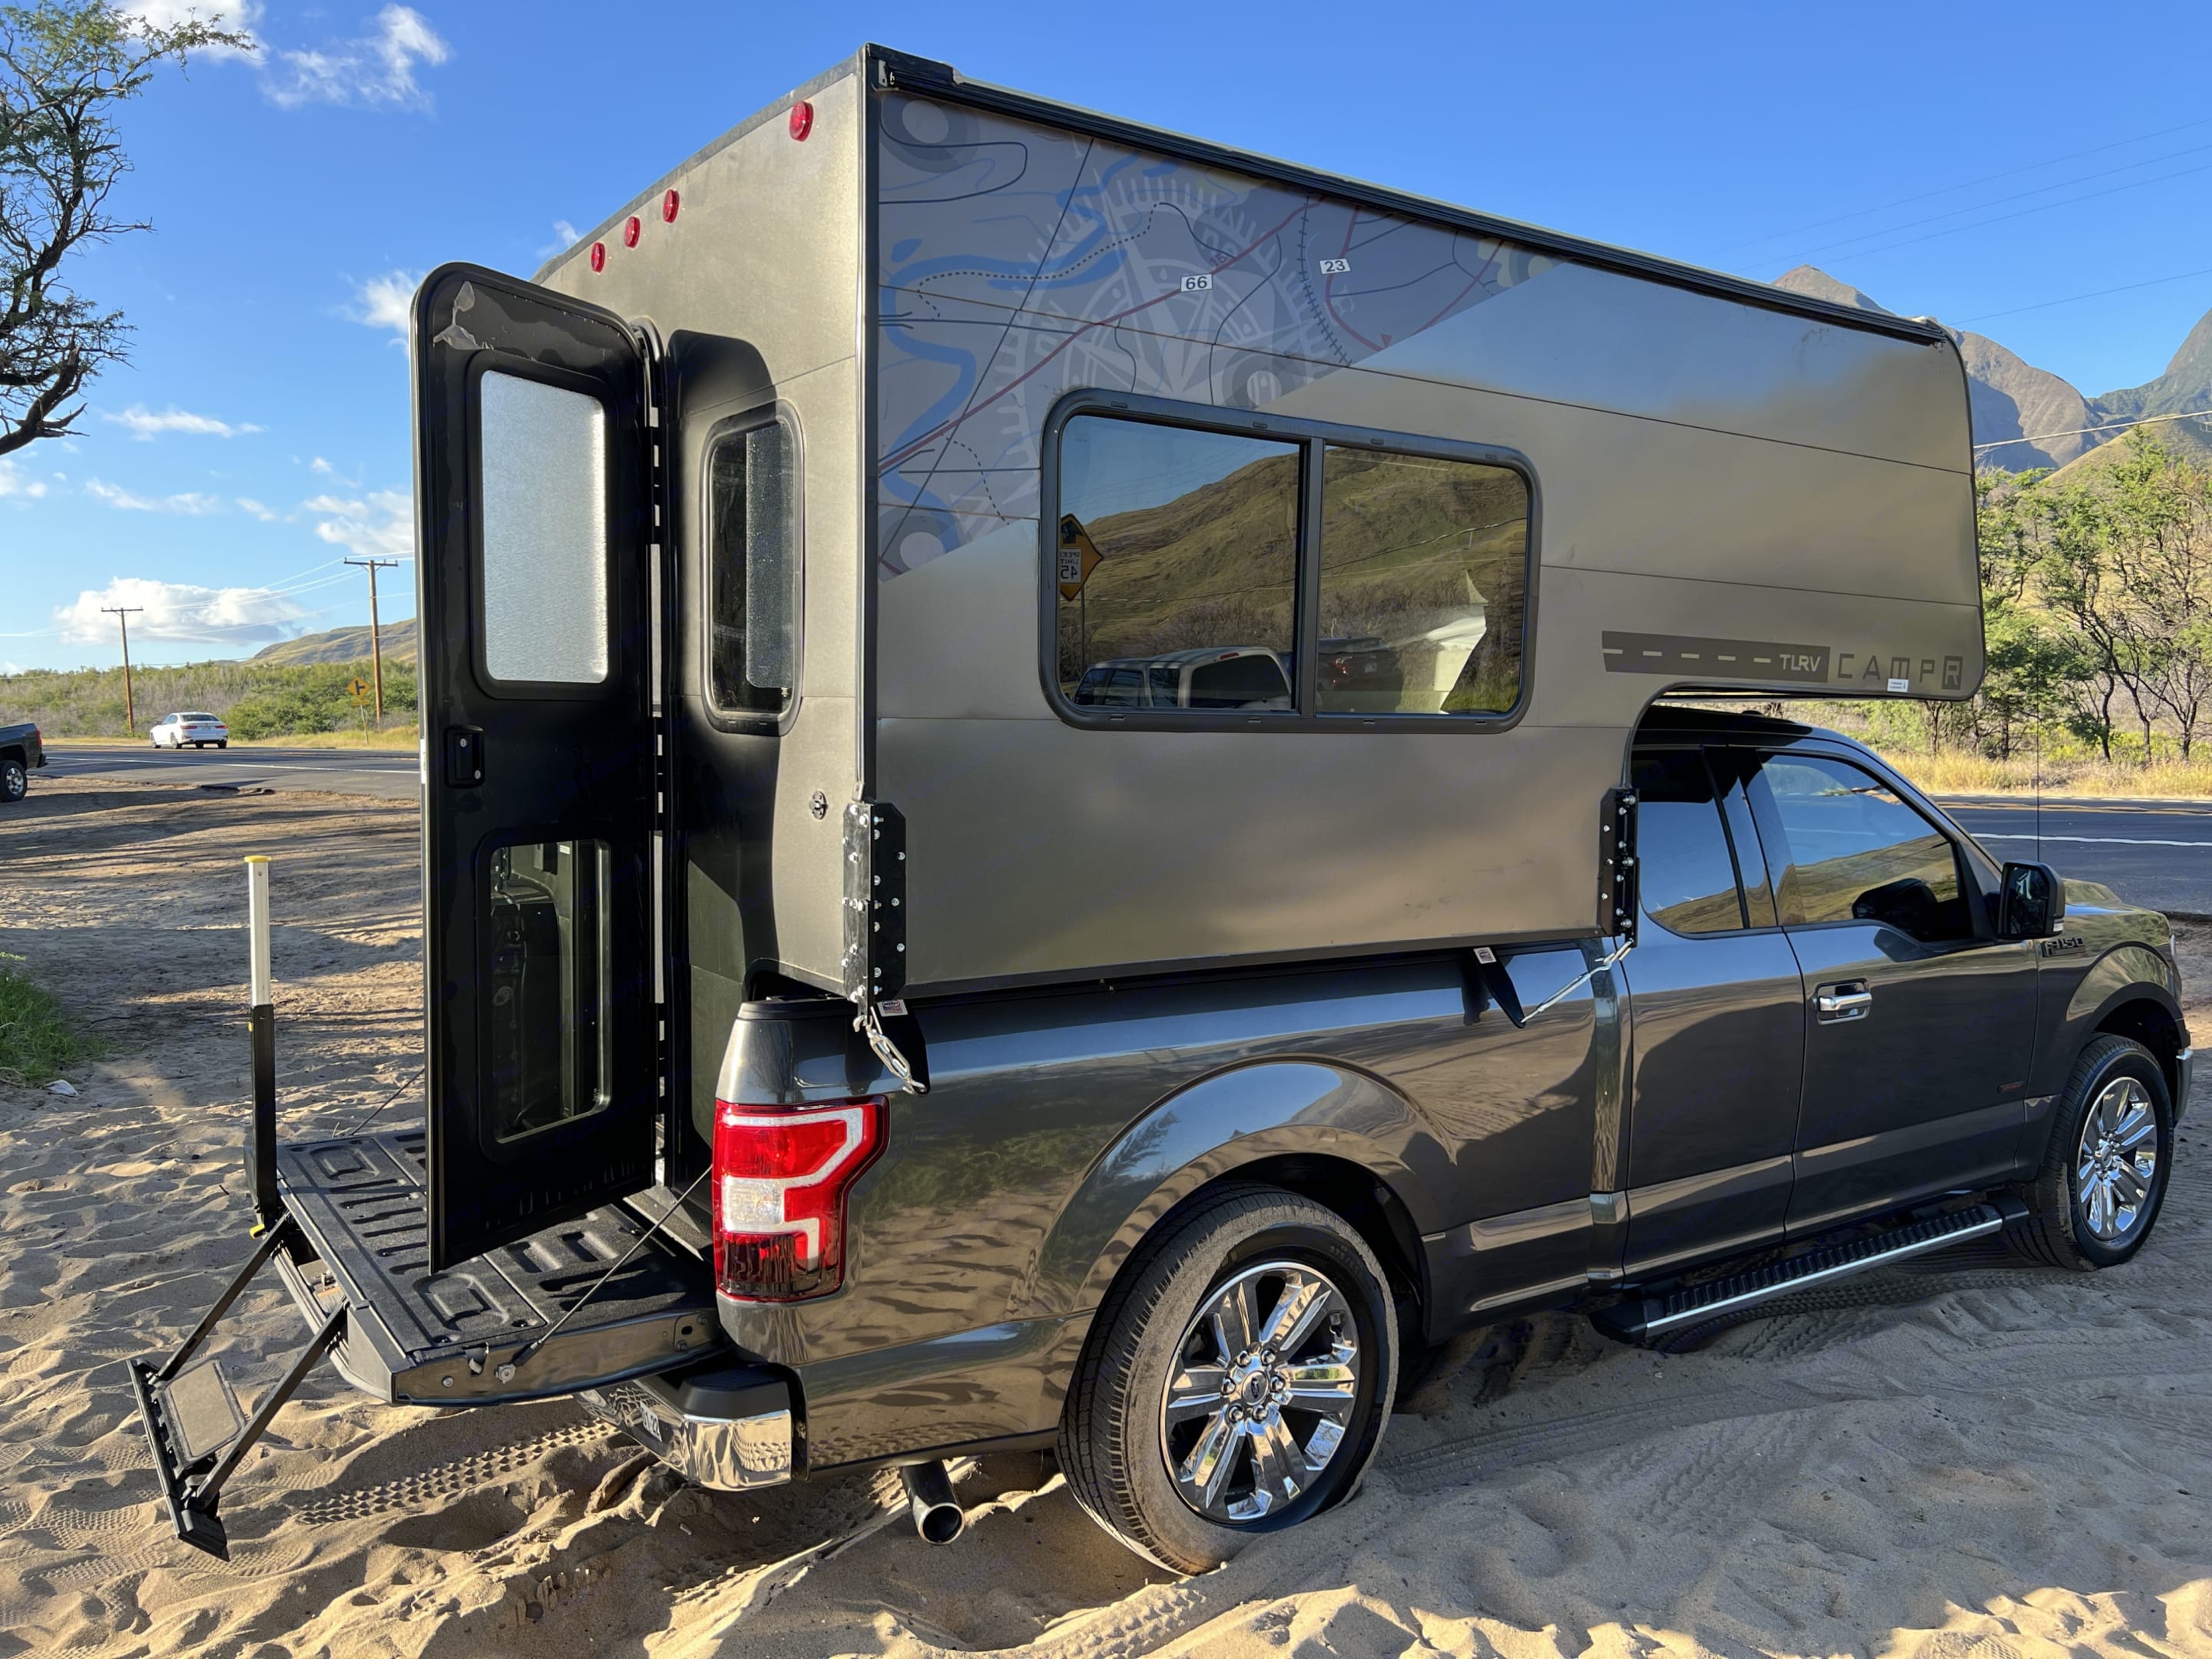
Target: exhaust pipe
{"x": 938, "y": 1515}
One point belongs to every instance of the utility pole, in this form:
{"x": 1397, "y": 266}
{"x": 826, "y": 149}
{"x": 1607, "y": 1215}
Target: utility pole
{"x": 376, "y": 631}
{"x": 123, "y": 613}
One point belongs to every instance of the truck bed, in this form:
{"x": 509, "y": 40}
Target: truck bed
{"x": 415, "y": 1337}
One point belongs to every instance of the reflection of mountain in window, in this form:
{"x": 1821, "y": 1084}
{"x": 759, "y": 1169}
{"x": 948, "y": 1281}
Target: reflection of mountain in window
{"x": 1198, "y": 535}
{"x": 1424, "y": 571}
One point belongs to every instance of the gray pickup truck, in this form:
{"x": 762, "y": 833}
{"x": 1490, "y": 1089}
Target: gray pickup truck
{"x": 853, "y": 1041}
{"x": 21, "y": 751}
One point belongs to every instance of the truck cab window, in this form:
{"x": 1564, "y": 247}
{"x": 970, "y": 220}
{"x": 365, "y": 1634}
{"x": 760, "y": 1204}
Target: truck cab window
{"x": 753, "y": 569}
{"x": 1178, "y": 565}
{"x": 1857, "y": 851}
{"x": 1423, "y": 578}
{"x": 1687, "y": 878}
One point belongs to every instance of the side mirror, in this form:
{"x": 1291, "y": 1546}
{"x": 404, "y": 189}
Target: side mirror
{"x": 2031, "y": 902}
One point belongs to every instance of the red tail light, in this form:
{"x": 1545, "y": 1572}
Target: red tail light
{"x": 781, "y": 1175}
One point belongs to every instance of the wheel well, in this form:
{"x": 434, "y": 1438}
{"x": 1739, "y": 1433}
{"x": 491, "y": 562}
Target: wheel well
{"x": 1361, "y": 1197}
{"x": 19, "y": 756}
{"x": 2150, "y": 1024}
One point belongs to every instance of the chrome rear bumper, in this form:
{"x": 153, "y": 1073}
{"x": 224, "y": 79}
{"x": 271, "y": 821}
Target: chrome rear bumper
{"x": 727, "y": 1429}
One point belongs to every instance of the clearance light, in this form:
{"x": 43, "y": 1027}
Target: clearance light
{"x": 599, "y": 256}
{"x": 802, "y": 120}
{"x": 780, "y": 1175}
{"x": 631, "y": 231}
{"x": 669, "y": 204}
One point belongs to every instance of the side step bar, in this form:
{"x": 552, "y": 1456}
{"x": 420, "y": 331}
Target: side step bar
{"x": 1639, "y": 1320}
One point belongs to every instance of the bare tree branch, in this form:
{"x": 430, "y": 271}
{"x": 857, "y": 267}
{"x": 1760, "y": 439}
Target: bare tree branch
{"x": 65, "y": 65}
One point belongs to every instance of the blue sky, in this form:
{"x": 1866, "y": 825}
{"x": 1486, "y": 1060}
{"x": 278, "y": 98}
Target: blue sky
{"x": 1943, "y": 162}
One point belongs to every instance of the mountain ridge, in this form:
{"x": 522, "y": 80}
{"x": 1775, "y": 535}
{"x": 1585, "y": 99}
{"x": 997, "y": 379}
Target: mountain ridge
{"x": 343, "y": 644}
{"x": 2010, "y": 398}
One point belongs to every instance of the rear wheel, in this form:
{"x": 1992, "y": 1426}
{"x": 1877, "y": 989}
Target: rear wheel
{"x": 2104, "y": 1171}
{"x": 1236, "y": 1380}
{"x": 223, "y": 743}
{"x": 15, "y": 780}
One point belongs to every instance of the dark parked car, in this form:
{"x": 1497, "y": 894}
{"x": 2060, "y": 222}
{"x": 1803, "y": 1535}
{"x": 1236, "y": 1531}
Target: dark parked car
{"x": 22, "y": 750}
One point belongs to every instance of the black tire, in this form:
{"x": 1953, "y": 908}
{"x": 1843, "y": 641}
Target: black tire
{"x": 2062, "y": 1227}
{"x": 15, "y": 780}
{"x": 223, "y": 743}
{"x": 1113, "y": 1438}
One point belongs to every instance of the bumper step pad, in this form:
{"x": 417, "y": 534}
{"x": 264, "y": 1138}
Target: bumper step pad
{"x": 1637, "y": 1320}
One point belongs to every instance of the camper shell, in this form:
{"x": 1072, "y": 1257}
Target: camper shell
{"x": 778, "y": 543}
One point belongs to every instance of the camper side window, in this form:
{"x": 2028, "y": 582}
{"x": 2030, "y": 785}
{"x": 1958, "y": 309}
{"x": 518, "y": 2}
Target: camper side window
{"x": 753, "y": 569}
{"x": 1424, "y": 580}
{"x": 1178, "y": 553}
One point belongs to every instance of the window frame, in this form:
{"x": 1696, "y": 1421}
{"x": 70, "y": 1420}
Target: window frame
{"x": 1312, "y": 438}
{"x": 1744, "y": 924}
{"x": 738, "y": 426}
{"x": 1766, "y": 816}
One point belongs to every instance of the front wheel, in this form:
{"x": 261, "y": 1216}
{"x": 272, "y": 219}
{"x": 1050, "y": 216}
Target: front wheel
{"x": 2104, "y": 1171}
{"x": 1236, "y": 1380}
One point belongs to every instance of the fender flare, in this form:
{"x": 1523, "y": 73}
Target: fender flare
{"x": 1213, "y": 1127}
{"x": 2130, "y": 972}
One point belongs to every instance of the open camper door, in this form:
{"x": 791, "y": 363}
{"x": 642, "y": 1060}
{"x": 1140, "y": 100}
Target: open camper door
{"x": 533, "y": 499}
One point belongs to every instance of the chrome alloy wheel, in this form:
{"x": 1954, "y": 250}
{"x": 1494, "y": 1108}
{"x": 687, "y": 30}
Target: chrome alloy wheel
{"x": 1266, "y": 1377}
{"x": 2117, "y": 1163}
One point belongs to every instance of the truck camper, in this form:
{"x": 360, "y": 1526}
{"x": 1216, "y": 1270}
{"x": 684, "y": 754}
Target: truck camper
{"x": 1057, "y": 813}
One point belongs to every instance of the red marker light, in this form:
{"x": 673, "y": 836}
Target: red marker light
{"x": 599, "y": 256}
{"x": 631, "y": 231}
{"x": 668, "y": 206}
{"x": 802, "y": 120}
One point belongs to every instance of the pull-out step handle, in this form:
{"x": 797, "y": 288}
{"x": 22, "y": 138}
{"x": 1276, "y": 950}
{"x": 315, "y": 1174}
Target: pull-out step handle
{"x": 192, "y": 1475}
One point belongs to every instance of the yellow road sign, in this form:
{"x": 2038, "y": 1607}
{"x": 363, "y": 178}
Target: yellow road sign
{"x": 1078, "y": 557}
{"x": 359, "y": 688}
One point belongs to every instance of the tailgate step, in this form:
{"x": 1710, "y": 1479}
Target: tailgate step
{"x": 1640, "y": 1319}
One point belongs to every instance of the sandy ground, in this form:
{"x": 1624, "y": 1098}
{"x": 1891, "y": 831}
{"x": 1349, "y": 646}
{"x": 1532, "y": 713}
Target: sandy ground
{"x": 1972, "y": 1458}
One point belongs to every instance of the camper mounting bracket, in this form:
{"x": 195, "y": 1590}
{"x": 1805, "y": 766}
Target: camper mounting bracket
{"x": 1617, "y": 898}
{"x": 194, "y": 1456}
{"x": 873, "y": 966}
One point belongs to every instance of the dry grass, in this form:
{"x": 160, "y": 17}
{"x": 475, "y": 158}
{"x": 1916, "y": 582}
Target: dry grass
{"x": 1955, "y": 774}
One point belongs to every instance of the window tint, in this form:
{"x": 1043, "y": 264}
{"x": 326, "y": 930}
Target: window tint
{"x": 1173, "y": 541}
{"x": 1686, "y": 877}
{"x": 1424, "y": 575}
{"x": 1249, "y": 679}
{"x": 752, "y": 569}
{"x": 1856, "y": 851}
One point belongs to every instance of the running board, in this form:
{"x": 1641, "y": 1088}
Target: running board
{"x": 1639, "y": 1320}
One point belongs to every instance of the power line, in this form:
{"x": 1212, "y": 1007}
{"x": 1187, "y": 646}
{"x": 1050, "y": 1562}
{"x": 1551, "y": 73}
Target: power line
{"x": 2097, "y": 294}
{"x": 1947, "y": 189}
{"x": 2071, "y": 201}
{"x": 2017, "y": 196}
{"x": 2109, "y": 426}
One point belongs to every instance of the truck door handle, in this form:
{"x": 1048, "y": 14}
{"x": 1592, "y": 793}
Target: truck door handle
{"x": 1850, "y": 1000}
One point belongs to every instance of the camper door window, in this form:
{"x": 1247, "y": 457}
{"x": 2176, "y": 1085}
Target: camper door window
{"x": 1195, "y": 581}
{"x": 753, "y": 568}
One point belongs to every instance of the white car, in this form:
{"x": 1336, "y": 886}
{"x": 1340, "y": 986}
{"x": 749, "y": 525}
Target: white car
{"x": 175, "y": 730}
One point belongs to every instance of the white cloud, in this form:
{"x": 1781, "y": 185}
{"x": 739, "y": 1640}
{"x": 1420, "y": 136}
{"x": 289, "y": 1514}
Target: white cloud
{"x": 179, "y": 610}
{"x": 369, "y": 70}
{"x": 240, "y": 16}
{"x": 144, "y": 423}
{"x": 565, "y": 236}
{"x": 381, "y": 525}
{"x": 266, "y": 514}
{"x": 385, "y": 301}
{"x": 191, "y": 502}
{"x": 15, "y": 482}
{"x": 319, "y": 465}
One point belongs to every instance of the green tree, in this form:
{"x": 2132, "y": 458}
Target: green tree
{"x": 65, "y": 65}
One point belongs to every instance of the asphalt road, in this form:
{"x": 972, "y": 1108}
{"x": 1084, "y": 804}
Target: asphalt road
{"x": 389, "y": 773}
{"x": 2153, "y": 853}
